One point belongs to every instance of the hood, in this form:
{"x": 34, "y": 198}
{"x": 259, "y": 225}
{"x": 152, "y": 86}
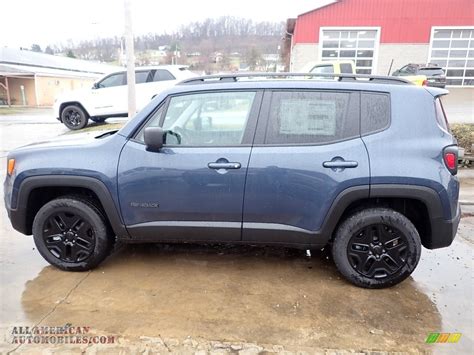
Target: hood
{"x": 69, "y": 140}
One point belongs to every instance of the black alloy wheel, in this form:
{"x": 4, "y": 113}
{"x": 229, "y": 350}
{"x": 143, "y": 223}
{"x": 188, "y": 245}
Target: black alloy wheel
{"x": 72, "y": 233}
{"x": 68, "y": 236}
{"x": 377, "y": 251}
{"x": 74, "y": 117}
{"x": 376, "y": 247}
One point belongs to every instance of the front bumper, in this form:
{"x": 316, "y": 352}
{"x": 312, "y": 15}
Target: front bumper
{"x": 443, "y": 231}
{"x": 16, "y": 215}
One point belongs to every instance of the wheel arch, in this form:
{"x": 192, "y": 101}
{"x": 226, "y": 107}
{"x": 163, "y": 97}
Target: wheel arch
{"x": 35, "y": 191}
{"x": 67, "y": 103}
{"x": 421, "y": 205}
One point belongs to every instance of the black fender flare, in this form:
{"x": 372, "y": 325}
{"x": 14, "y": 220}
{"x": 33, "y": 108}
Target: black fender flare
{"x": 93, "y": 184}
{"x": 428, "y": 196}
{"x": 424, "y": 194}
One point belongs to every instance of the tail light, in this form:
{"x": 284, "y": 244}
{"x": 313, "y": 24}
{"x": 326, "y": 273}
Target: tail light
{"x": 424, "y": 83}
{"x": 450, "y": 157}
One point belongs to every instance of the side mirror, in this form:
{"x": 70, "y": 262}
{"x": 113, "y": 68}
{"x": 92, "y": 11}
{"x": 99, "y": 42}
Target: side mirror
{"x": 154, "y": 138}
{"x": 95, "y": 86}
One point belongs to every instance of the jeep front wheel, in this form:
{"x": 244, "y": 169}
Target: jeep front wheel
{"x": 72, "y": 234}
{"x": 74, "y": 117}
{"x": 376, "y": 248}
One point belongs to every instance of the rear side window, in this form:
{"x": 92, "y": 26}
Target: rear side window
{"x": 312, "y": 117}
{"x": 162, "y": 75}
{"x": 374, "y": 111}
{"x": 441, "y": 115}
{"x": 141, "y": 77}
{"x": 346, "y": 68}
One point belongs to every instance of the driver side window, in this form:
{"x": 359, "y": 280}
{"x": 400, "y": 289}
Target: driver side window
{"x": 113, "y": 80}
{"x": 208, "y": 119}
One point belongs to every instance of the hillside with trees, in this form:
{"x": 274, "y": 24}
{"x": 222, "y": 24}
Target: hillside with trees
{"x": 225, "y": 43}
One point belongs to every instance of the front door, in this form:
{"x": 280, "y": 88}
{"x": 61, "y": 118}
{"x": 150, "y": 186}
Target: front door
{"x": 307, "y": 151}
{"x": 110, "y": 95}
{"x": 193, "y": 188}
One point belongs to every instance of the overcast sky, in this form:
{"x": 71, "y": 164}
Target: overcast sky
{"x": 24, "y": 22}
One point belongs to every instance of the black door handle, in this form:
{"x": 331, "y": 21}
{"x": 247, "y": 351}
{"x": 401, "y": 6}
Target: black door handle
{"x": 218, "y": 166}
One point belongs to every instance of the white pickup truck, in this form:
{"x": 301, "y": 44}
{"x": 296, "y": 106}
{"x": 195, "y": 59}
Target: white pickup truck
{"x": 108, "y": 96}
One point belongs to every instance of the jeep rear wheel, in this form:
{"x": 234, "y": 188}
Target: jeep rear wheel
{"x": 72, "y": 234}
{"x": 376, "y": 248}
{"x": 74, "y": 117}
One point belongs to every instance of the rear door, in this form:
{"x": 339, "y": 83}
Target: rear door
{"x": 142, "y": 78}
{"x": 307, "y": 151}
{"x": 157, "y": 81}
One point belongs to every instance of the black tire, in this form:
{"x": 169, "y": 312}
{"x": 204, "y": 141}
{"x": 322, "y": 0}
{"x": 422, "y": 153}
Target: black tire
{"x": 376, "y": 248}
{"x": 74, "y": 117}
{"x": 72, "y": 234}
{"x": 98, "y": 119}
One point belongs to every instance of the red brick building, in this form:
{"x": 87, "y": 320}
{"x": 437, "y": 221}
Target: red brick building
{"x": 372, "y": 33}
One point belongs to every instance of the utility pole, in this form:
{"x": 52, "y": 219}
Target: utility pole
{"x": 130, "y": 52}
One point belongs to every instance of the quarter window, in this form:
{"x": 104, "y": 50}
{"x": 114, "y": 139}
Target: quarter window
{"x": 375, "y": 112}
{"x": 357, "y": 45}
{"x": 209, "y": 119}
{"x": 440, "y": 114}
{"x": 312, "y": 117}
{"x": 453, "y": 50}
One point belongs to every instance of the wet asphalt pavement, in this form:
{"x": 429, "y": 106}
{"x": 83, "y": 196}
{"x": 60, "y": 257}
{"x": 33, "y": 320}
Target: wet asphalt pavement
{"x": 217, "y": 299}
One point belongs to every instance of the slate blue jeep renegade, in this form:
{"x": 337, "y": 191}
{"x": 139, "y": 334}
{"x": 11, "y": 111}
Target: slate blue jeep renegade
{"x": 365, "y": 166}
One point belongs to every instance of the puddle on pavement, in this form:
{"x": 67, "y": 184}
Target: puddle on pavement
{"x": 239, "y": 293}
{"x": 446, "y": 277}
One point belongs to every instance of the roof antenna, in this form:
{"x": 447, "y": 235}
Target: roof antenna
{"x": 390, "y": 68}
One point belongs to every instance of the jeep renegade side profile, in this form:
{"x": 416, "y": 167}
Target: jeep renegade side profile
{"x": 366, "y": 166}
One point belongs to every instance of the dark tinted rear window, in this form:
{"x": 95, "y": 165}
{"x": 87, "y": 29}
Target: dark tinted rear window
{"x": 312, "y": 117}
{"x": 430, "y": 71}
{"x": 374, "y": 111}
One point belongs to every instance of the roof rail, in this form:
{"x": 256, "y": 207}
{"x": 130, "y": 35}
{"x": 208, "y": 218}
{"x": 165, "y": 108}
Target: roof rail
{"x": 212, "y": 79}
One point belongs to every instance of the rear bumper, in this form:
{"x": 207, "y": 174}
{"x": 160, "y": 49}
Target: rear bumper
{"x": 437, "y": 85}
{"x": 443, "y": 231}
{"x": 436, "y": 82}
